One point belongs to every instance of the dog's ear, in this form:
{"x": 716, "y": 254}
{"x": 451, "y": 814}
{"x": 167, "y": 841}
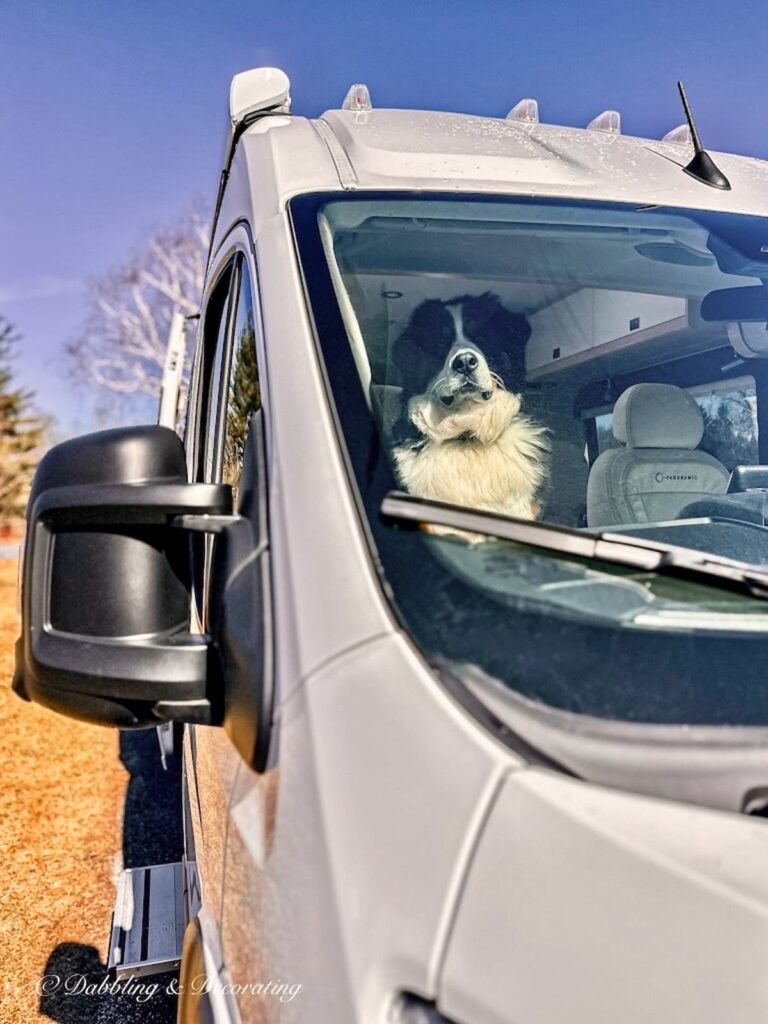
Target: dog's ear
{"x": 501, "y": 335}
{"x": 420, "y": 349}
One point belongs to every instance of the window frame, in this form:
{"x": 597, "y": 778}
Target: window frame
{"x": 217, "y": 416}
{"x": 236, "y": 252}
{"x": 200, "y": 393}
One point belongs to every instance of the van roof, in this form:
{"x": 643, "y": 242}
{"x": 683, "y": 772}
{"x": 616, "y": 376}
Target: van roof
{"x": 418, "y": 149}
{"x": 282, "y": 155}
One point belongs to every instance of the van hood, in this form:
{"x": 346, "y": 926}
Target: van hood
{"x": 592, "y": 906}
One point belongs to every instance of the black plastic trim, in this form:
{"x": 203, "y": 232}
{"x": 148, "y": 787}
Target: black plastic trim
{"x": 122, "y": 680}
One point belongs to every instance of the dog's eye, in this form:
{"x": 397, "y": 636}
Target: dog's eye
{"x": 447, "y": 399}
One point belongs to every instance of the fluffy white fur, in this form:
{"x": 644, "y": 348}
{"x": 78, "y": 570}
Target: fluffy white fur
{"x": 481, "y": 453}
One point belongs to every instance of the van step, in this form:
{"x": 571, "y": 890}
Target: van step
{"x": 148, "y": 921}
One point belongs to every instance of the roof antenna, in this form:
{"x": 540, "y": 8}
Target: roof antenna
{"x": 702, "y": 167}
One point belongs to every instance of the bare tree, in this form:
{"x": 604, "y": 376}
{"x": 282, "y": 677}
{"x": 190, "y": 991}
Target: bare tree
{"x": 123, "y": 342}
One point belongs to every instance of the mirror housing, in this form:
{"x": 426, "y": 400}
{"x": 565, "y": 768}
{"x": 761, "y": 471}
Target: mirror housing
{"x": 738, "y": 305}
{"x": 106, "y": 584}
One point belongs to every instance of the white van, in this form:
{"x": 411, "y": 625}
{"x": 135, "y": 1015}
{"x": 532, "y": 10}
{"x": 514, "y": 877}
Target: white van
{"x": 442, "y": 764}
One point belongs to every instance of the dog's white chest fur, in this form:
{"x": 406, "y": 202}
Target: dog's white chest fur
{"x": 485, "y": 455}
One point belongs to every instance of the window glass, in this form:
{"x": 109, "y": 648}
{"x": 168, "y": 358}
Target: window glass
{"x": 459, "y": 313}
{"x": 214, "y": 352}
{"x": 463, "y": 338}
{"x": 730, "y": 421}
{"x": 203, "y": 423}
{"x": 729, "y": 410}
{"x": 229, "y": 392}
{"x": 243, "y": 395}
{"x": 604, "y": 428}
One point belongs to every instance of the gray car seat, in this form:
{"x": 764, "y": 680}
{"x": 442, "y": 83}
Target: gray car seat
{"x": 659, "y": 470}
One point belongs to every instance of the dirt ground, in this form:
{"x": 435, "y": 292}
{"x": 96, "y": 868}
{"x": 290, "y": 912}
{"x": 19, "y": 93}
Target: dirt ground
{"x": 63, "y": 788}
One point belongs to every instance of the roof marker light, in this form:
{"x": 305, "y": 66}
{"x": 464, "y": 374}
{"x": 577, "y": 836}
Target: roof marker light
{"x": 256, "y": 93}
{"x": 526, "y": 111}
{"x": 681, "y": 134}
{"x": 358, "y": 98}
{"x": 608, "y": 121}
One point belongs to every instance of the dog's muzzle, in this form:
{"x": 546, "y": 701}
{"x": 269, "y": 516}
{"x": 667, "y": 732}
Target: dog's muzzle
{"x": 467, "y": 376}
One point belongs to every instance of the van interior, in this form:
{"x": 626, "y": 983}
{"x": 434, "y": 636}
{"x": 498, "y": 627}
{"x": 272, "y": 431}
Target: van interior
{"x": 646, "y": 358}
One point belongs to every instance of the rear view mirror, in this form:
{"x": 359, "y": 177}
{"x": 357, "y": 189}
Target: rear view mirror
{"x": 736, "y": 305}
{"x": 106, "y": 581}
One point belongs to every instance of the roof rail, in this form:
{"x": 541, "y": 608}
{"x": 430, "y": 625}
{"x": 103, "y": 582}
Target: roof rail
{"x": 358, "y": 98}
{"x": 609, "y": 121}
{"x": 681, "y": 134}
{"x": 526, "y": 110}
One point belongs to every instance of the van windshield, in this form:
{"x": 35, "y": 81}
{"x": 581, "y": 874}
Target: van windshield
{"x": 594, "y": 365}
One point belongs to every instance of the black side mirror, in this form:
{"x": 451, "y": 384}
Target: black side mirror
{"x": 107, "y": 581}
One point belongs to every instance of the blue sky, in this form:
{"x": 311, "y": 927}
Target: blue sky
{"x": 112, "y": 115}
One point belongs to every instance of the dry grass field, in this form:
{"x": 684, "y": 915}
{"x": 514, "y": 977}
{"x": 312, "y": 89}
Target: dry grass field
{"x": 62, "y": 787}
{"x": 61, "y": 791}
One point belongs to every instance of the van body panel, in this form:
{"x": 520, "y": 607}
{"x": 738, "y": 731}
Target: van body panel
{"x": 588, "y": 904}
{"x": 372, "y": 814}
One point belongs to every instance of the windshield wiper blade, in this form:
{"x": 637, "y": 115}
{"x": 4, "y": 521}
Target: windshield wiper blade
{"x": 617, "y": 549}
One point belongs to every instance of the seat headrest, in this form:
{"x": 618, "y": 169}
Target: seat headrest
{"x": 657, "y": 416}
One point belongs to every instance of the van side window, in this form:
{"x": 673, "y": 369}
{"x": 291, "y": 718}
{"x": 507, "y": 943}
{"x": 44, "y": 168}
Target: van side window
{"x": 730, "y": 421}
{"x": 217, "y": 316}
{"x": 729, "y": 409}
{"x": 243, "y": 393}
{"x": 604, "y": 428}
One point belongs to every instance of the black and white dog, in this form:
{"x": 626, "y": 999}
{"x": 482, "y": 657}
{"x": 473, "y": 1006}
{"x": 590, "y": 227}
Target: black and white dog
{"x": 462, "y": 367}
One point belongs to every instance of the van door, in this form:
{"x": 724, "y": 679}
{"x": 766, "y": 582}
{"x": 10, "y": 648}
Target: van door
{"x": 210, "y": 760}
{"x": 241, "y": 593}
{"x": 234, "y": 604}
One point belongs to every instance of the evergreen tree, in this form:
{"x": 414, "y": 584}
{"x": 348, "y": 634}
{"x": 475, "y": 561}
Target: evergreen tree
{"x": 729, "y": 432}
{"x": 21, "y": 433}
{"x": 244, "y": 398}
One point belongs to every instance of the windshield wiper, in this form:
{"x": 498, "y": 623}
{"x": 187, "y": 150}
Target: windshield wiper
{"x": 632, "y": 552}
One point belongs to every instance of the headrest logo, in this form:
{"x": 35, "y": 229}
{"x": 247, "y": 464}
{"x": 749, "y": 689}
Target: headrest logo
{"x": 661, "y": 478}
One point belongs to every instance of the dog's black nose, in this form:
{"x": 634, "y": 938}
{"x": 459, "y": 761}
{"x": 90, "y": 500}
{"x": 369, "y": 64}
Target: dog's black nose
{"x": 464, "y": 362}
